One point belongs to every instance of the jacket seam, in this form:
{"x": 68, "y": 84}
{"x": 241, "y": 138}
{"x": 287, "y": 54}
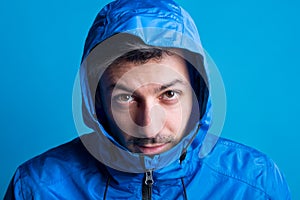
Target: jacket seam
{"x": 161, "y": 16}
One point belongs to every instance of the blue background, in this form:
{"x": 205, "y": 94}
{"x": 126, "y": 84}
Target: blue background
{"x": 254, "y": 43}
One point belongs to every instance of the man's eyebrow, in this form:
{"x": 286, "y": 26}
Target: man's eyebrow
{"x": 172, "y": 83}
{"x": 119, "y": 86}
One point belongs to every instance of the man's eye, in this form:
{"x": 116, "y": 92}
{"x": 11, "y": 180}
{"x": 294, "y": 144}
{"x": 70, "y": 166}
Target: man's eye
{"x": 170, "y": 95}
{"x": 124, "y": 98}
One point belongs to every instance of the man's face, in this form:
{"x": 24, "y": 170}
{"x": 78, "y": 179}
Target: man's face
{"x": 148, "y": 105}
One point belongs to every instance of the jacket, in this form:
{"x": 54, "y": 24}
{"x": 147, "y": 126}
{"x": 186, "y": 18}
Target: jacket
{"x": 95, "y": 166}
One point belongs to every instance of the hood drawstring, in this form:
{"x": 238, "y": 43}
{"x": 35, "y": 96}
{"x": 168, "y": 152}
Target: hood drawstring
{"x": 106, "y": 187}
{"x": 184, "y": 190}
{"x": 182, "y": 157}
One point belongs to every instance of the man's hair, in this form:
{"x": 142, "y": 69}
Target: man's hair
{"x": 142, "y": 56}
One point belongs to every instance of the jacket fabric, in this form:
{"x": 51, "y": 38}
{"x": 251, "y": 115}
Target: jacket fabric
{"x": 96, "y": 166}
{"x": 230, "y": 171}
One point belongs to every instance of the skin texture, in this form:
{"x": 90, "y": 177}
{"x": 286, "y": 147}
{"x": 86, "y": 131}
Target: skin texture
{"x": 148, "y": 105}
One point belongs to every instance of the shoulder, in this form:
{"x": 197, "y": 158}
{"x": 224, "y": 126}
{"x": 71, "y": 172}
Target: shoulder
{"x": 57, "y": 174}
{"x": 247, "y": 166}
{"x": 236, "y": 160}
{"x": 58, "y": 164}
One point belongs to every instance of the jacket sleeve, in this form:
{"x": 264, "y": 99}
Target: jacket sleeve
{"x": 15, "y": 190}
{"x": 277, "y": 188}
{"x": 9, "y": 195}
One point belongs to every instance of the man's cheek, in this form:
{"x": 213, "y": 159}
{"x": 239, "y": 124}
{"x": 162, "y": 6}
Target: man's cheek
{"x": 174, "y": 118}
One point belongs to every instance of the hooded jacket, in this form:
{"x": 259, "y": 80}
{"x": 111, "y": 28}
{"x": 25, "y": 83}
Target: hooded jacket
{"x": 96, "y": 166}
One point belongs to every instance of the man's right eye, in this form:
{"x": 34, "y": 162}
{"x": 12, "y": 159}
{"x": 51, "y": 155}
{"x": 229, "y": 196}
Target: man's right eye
{"x": 123, "y": 98}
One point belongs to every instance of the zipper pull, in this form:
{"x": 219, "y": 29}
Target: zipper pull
{"x": 149, "y": 178}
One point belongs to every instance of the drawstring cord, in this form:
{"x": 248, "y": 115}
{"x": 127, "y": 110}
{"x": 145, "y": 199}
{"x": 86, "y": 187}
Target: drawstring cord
{"x": 184, "y": 190}
{"x": 106, "y": 187}
{"x": 182, "y": 157}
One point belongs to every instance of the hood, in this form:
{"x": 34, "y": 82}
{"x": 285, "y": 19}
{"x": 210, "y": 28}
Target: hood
{"x": 153, "y": 23}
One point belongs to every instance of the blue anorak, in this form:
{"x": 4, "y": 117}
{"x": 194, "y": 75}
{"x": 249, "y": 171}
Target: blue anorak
{"x": 96, "y": 166}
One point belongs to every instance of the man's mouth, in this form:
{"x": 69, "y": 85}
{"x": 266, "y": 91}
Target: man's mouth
{"x": 151, "y": 149}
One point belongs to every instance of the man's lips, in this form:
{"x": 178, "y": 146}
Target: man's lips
{"x": 151, "y": 149}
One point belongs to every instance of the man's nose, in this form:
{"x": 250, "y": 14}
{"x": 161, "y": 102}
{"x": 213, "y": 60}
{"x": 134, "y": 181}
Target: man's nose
{"x": 142, "y": 113}
{"x": 149, "y": 118}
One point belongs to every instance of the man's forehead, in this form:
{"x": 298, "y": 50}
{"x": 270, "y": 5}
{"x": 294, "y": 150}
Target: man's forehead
{"x": 154, "y": 87}
{"x": 169, "y": 64}
{"x": 158, "y": 74}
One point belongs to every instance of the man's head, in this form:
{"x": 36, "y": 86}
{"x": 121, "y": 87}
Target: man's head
{"x": 133, "y": 101}
{"x": 146, "y": 99}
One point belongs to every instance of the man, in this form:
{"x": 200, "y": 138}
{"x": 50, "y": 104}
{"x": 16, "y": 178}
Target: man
{"x": 145, "y": 93}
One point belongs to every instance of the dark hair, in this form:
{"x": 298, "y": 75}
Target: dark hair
{"x": 141, "y": 56}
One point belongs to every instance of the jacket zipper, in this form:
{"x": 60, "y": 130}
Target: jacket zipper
{"x": 147, "y": 186}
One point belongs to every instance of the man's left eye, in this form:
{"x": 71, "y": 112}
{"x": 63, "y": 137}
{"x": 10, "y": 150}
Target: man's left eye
{"x": 170, "y": 95}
